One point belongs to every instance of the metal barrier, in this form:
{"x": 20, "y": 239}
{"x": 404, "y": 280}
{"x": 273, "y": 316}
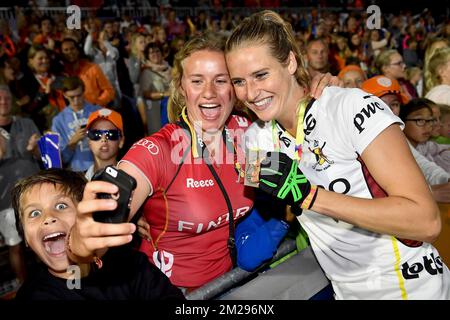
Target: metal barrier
{"x": 237, "y": 275}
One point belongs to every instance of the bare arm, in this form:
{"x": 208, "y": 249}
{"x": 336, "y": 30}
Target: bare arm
{"x": 111, "y": 50}
{"x": 143, "y": 189}
{"x": 408, "y": 211}
{"x": 88, "y": 48}
{"x": 88, "y": 237}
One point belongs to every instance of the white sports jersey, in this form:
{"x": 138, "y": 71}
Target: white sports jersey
{"x": 360, "y": 264}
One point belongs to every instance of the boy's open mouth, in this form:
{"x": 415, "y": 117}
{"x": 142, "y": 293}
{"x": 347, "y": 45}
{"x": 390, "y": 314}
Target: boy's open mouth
{"x": 54, "y": 243}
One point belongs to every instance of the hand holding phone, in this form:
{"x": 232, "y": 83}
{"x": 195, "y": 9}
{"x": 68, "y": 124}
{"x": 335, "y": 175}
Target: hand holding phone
{"x": 126, "y": 184}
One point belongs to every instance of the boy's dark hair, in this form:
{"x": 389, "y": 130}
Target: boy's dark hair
{"x": 414, "y": 105}
{"x": 71, "y": 184}
{"x": 72, "y": 83}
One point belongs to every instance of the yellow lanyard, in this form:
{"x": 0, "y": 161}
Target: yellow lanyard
{"x": 300, "y": 134}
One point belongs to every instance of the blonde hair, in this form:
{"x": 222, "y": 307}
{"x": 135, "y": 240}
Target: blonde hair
{"x": 411, "y": 72}
{"x": 134, "y": 38}
{"x": 207, "y": 41}
{"x": 437, "y": 60}
{"x": 267, "y": 27}
{"x": 384, "y": 59}
{"x": 432, "y": 47}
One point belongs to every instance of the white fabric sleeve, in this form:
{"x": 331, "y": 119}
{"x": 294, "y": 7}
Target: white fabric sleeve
{"x": 365, "y": 116}
{"x": 433, "y": 173}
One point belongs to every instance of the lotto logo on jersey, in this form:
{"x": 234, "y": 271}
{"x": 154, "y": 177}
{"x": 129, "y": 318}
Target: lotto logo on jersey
{"x": 430, "y": 265}
{"x": 191, "y": 183}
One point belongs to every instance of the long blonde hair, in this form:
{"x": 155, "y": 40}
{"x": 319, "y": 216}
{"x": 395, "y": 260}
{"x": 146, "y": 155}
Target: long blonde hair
{"x": 432, "y": 47}
{"x": 437, "y": 60}
{"x": 206, "y": 41}
{"x": 267, "y": 27}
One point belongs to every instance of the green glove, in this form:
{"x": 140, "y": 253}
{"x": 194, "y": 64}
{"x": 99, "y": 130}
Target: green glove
{"x": 280, "y": 176}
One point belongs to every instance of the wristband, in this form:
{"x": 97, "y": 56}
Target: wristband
{"x": 310, "y": 198}
{"x": 97, "y": 260}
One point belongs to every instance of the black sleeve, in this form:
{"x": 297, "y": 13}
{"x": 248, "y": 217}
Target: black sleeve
{"x": 151, "y": 284}
{"x": 42, "y": 286}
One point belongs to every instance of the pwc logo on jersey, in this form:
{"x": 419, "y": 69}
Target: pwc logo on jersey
{"x": 191, "y": 183}
{"x": 431, "y": 265}
{"x": 147, "y": 144}
{"x": 366, "y": 113}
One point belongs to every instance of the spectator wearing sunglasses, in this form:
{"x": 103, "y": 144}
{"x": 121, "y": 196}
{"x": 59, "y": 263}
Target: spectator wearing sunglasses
{"x": 70, "y": 124}
{"x": 105, "y": 135}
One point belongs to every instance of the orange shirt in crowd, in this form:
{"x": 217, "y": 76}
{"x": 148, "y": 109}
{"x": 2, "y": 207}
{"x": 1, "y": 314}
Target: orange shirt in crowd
{"x": 98, "y": 90}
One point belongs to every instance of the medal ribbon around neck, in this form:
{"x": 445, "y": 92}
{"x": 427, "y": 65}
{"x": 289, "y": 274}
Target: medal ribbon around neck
{"x": 300, "y": 134}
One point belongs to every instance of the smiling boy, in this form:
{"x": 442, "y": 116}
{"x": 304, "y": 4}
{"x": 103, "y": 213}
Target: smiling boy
{"x": 46, "y": 204}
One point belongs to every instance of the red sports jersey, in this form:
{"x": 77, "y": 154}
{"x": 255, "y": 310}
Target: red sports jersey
{"x": 192, "y": 249}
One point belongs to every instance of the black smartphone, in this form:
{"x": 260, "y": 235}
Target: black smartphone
{"x": 126, "y": 184}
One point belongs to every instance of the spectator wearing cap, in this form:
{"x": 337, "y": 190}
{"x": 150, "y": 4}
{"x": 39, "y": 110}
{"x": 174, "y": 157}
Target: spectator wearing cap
{"x": 105, "y": 135}
{"x": 70, "y": 124}
{"x": 98, "y": 89}
{"x": 353, "y": 76}
{"x": 387, "y": 90}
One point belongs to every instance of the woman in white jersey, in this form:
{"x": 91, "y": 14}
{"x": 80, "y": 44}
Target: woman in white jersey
{"x": 357, "y": 190}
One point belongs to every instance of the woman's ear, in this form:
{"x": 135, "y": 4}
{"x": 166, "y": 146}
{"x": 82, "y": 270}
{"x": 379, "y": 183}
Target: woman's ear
{"x": 292, "y": 63}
